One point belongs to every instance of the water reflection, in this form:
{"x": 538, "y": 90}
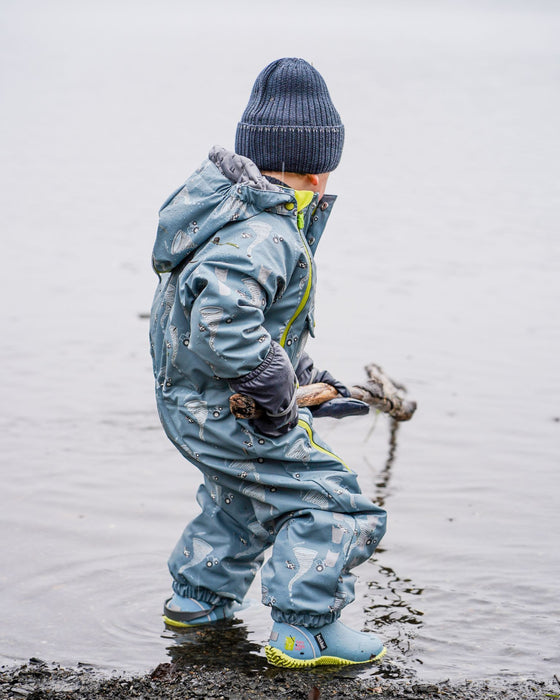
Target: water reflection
{"x": 223, "y": 644}
{"x": 395, "y": 607}
{"x": 394, "y": 614}
{"x": 384, "y": 477}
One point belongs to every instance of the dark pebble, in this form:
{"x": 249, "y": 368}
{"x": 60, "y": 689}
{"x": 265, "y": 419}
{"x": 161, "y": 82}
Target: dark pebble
{"x": 41, "y": 681}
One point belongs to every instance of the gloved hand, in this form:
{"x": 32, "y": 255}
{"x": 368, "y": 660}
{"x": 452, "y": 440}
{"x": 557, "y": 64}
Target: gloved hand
{"x": 335, "y": 408}
{"x": 273, "y": 386}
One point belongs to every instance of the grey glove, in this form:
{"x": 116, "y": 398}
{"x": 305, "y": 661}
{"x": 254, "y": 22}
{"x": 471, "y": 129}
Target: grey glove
{"x": 335, "y": 408}
{"x": 273, "y": 386}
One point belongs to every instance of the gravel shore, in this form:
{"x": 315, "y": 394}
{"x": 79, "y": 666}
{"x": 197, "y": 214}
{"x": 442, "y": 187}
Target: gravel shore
{"x": 38, "y": 680}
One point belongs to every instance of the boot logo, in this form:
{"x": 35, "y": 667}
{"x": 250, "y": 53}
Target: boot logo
{"x": 293, "y": 644}
{"x": 320, "y": 642}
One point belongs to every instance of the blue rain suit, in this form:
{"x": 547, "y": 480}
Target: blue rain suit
{"x": 234, "y": 254}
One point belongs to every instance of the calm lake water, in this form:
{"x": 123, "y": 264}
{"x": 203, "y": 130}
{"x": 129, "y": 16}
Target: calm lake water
{"x": 440, "y": 263}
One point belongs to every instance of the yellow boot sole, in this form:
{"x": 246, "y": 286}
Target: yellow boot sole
{"x": 174, "y": 623}
{"x": 278, "y": 658}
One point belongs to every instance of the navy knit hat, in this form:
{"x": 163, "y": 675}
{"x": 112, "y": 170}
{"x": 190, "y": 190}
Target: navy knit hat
{"x": 290, "y": 123}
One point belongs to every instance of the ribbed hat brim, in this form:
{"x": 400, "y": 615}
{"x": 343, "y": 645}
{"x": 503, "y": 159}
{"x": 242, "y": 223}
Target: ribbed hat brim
{"x": 299, "y": 149}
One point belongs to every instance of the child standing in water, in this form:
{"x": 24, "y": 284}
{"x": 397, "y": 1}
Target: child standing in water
{"x": 232, "y": 313}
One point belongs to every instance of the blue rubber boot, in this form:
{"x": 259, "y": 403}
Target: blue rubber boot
{"x": 294, "y": 646}
{"x": 189, "y": 612}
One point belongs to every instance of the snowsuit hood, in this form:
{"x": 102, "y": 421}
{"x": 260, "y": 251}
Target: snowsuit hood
{"x": 226, "y": 188}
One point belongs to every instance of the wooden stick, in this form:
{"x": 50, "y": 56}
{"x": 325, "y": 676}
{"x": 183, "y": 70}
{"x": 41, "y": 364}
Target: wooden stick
{"x": 243, "y": 406}
{"x": 378, "y": 391}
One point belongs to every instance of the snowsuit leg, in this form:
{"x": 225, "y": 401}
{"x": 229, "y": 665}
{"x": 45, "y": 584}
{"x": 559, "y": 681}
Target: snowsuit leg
{"x": 308, "y": 505}
{"x": 220, "y": 551}
{"x": 307, "y": 581}
{"x": 331, "y": 529}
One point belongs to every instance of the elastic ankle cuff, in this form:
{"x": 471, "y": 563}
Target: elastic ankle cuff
{"x": 304, "y": 619}
{"x": 204, "y": 595}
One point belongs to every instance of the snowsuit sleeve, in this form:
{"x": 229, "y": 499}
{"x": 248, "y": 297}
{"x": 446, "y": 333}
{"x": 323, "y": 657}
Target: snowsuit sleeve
{"x": 227, "y": 296}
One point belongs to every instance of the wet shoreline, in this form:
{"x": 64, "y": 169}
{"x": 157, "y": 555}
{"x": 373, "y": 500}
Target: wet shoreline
{"x": 38, "y": 680}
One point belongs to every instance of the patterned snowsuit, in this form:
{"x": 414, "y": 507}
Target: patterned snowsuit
{"x": 234, "y": 253}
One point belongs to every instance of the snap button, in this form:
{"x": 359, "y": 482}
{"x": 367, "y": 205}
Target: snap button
{"x": 289, "y": 206}
{"x": 324, "y": 205}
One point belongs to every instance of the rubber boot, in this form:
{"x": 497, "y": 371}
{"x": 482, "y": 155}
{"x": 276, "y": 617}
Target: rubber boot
{"x": 189, "y": 612}
{"x": 294, "y": 646}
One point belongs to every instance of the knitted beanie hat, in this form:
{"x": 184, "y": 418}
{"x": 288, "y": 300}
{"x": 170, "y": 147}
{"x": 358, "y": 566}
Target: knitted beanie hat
{"x": 290, "y": 123}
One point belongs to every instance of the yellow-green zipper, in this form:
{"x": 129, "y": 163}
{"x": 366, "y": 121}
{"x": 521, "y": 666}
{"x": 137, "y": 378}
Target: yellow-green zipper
{"x": 303, "y": 199}
{"x": 303, "y": 424}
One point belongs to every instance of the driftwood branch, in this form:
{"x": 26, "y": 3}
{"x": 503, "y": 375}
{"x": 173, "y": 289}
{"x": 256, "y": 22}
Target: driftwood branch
{"x": 377, "y": 391}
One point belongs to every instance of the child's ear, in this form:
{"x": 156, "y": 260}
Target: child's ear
{"x": 313, "y": 179}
